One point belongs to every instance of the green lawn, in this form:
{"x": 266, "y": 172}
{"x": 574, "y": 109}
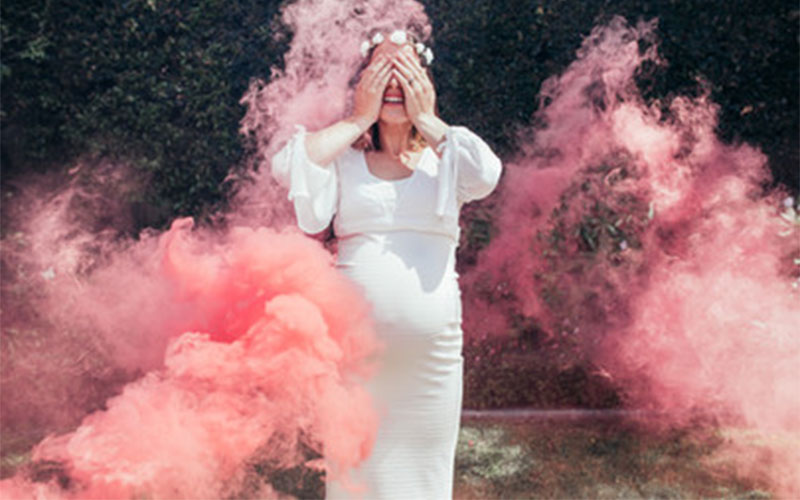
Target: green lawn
{"x": 602, "y": 456}
{"x": 598, "y": 458}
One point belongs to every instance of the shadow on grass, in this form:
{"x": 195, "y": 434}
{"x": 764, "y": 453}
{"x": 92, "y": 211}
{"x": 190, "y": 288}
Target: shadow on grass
{"x": 569, "y": 454}
{"x": 609, "y": 458}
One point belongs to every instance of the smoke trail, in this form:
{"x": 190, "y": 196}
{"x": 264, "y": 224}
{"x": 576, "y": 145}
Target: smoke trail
{"x": 58, "y": 361}
{"x": 645, "y": 246}
{"x": 243, "y": 349}
{"x": 640, "y": 238}
{"x": 267, "y": 372}
{"x": 313, "y": 89}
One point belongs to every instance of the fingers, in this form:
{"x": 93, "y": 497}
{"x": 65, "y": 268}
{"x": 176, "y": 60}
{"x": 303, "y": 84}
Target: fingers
{"x": 412, "y": 68}
{"x": 413, "y": 93}
{"x": 371, "y": 71}
{"x": 417, "y": 87}
{"x": 412, "y": 62}
{"x": 369, "y": 91}
{"x": 376, "y": 70}
{"x": 382, "y": 76}
{"x": 403, "y": 68}
{"x": 376, "y": 63}
{"x": 404, "y": 81}
{"x": 416, "y": 84}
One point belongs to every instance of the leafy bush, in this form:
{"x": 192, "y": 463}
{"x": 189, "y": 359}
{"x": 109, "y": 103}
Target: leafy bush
{"x": 492, "y": 58}
{"x": 154, "y": 82}
{"x": 157, "y": 83}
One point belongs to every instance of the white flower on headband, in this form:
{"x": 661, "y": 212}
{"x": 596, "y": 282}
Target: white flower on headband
{"x": 398, "y": 37}
{"x": 428, "y": 55}
{"x": 365, "y": 46}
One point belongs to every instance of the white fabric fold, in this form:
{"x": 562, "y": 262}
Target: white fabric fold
{"x": 312, "y": 188}
{"x": 465, "y": 169}
{"x": 469, "y": 170}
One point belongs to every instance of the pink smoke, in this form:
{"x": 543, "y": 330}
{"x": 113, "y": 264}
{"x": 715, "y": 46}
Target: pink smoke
{"x": 254, "y": 349}
{"x": 252, "y": 345}
{"x": 313, "y": 89}
{"x": 242, "y": 347}
{"x": 650, "y": 245}
{"x": 294, "y": 340}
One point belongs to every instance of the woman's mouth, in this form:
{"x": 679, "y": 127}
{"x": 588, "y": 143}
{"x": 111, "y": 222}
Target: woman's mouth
{"x": 392, "y": 99}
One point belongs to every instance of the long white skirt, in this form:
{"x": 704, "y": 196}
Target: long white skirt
{"x": 410, "y": 279}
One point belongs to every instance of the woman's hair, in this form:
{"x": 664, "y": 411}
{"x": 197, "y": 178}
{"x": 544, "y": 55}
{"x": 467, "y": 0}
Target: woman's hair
{"x": 370, "y": 141}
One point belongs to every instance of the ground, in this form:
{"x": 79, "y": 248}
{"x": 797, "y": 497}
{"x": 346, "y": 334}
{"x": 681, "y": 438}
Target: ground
{"x": 599, "y": 457}
{"x": 571, "y": 454}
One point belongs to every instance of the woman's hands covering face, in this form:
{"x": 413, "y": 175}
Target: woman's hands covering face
{"x": 418, "y": 91}
{"x": 369, "y": 91}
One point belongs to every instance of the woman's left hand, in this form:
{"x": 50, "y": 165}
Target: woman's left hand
{"x": 418, "y": 92}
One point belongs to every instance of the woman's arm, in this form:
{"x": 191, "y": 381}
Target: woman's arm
{"x": 420, "y": 98}
{"x": 324, "y": 146}
{"x": 432, "y": 128}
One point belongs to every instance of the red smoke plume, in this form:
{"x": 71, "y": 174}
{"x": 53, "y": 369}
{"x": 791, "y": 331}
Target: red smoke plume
{"x": 638, "y": 236}
{"x": 270, "y": 365}
{"x": 652, "y": 246}
{"x": 251, "y": 345}
{"x": 313, "y": 89}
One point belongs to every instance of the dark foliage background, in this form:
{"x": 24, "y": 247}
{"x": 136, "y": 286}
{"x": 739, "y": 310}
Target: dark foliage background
{"x": 157, "y": 83}
{"x": 493, "y": 56}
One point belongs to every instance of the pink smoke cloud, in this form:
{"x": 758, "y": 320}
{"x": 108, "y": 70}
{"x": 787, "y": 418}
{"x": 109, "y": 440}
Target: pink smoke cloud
{"x": 287, "y": 341}
{"x": 252, "y": 346}
{"x": 239, "y": 345}
{"x": 313, "y": 89}
{"x": 652, "y": 246}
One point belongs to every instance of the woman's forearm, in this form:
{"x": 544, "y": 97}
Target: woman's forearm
{"x": 432, "y": 128}
{"x": 324, "y": 146}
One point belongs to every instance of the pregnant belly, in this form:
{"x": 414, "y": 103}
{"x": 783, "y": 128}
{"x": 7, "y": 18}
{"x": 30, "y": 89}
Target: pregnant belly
{"x": 408, "y": 277}
{"x": 410, "y": 280}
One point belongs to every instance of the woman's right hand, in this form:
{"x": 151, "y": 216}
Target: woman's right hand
{"x": 324, "y": 146}
{"x": 369, "y": 91}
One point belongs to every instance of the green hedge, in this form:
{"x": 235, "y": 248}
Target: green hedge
{"x": 157, "y": 82}
{"x": 153, "y": 82}
{"x": 493, "y": 56}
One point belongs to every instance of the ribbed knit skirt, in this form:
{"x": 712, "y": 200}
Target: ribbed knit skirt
{"x": 410, "y": 280}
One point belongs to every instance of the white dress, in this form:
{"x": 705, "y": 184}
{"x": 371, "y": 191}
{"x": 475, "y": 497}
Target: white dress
{"x": 397, "y": 240}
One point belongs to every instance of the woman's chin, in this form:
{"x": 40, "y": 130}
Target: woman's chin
{"x": 393, "y": 116}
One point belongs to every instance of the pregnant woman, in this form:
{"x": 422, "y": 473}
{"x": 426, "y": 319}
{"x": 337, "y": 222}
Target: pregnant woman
{"x": 393, "y": 176}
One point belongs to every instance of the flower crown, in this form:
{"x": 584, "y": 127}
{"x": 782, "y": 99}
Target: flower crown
{"x": 398, "y": 37}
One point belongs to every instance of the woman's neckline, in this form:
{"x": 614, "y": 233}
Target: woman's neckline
{"x": 400, "y": 179}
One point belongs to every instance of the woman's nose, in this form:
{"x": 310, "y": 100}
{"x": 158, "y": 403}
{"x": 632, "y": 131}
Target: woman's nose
{"x": 393, "y": 83}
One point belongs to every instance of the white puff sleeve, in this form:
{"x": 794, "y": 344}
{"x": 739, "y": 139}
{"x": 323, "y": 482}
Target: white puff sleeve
{"x": 468, "y": 164}
{"x": 312, "y": 188}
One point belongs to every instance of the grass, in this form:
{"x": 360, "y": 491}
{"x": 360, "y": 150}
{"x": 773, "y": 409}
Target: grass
{"x": 606, "y": 459}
